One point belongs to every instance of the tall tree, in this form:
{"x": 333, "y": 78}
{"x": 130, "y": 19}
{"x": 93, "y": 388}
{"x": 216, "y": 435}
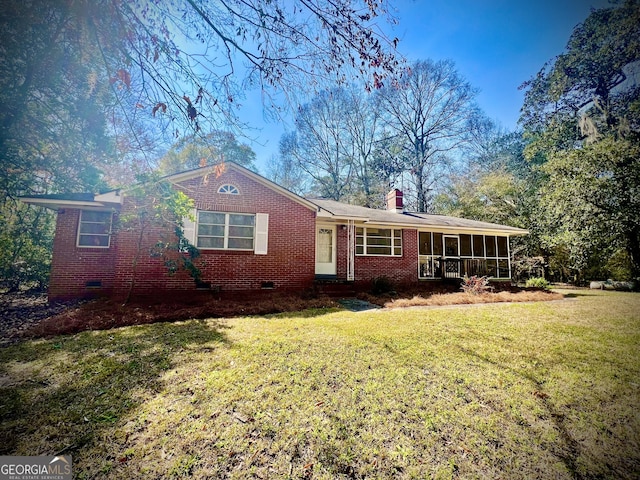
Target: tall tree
{"x": 285, "y": 171}
{"x": 363, "y": 122}
{"x": 429, "y": 113}
{"x": 53, "y": 122}
{"x": 583, "y": 117}
{"x": 335, "y": 145}
{"x": 321, "y": 145}
{"x": 201, "y": 150}
{"x": 84, "y": 82}
{"x": 588, "y": 79}
{"x": 592, "y": 203}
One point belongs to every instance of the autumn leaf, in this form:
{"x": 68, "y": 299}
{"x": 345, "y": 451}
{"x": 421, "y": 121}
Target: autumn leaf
{"x": 159, "y": 106}
{"x": 192, "y": 113}
{"x": 123, "y": 76}
{"x": 219, "y": 169}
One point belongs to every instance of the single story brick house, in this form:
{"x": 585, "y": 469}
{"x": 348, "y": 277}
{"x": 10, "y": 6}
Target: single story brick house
{"x": 254, "y": 235}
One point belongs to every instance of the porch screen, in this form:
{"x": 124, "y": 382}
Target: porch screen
{"x": 478, "y": 254}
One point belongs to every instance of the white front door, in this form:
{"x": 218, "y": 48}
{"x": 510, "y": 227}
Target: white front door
{"x": 326, "y": 250}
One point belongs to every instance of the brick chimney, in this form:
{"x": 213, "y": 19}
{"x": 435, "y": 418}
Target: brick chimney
{"x": 394, "y": 201}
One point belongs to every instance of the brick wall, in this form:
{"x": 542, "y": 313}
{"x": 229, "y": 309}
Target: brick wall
{"x": 289, "y": 263}
{"x": 73, "y": 267}
{"x": 401, "y": 270}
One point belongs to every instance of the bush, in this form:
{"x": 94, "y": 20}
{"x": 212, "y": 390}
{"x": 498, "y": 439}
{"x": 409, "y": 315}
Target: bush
{"x": 475, "y": 285}
{"x": 537, "y": 282}
{"x": 382, "y": 285}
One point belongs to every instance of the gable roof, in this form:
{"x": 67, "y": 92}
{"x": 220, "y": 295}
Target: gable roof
{"x": 113, "y": 198}
{"x": 332, "y": 209}
{"x": 202, "y": 171}
{"x": 328, "y": 209}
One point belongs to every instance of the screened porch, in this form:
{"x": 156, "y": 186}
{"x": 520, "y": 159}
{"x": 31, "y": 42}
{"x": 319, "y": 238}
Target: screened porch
{"x": 451, "y": 256}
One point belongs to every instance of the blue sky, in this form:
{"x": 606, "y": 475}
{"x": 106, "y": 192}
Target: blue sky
{"x": 495, "y": 44}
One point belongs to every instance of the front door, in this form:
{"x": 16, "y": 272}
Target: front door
{"x": 326, "y": 250}
{"x": 451, "y": 257}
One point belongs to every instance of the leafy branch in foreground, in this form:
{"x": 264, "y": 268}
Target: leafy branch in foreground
{"x": 153, "y": 208}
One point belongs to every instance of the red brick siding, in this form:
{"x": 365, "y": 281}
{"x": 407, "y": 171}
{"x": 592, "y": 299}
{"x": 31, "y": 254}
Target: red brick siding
{"x": 72, "y": 267}
{"x": 402, "y": 270}
{"x": 289, "y": 263}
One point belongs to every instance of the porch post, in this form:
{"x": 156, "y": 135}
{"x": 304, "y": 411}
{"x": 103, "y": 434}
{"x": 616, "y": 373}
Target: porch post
{"x": 509, "y": 256}
{"x": 351, "y": 250}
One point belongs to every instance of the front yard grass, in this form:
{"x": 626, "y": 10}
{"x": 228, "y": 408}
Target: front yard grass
{"x": 538, "y": 390}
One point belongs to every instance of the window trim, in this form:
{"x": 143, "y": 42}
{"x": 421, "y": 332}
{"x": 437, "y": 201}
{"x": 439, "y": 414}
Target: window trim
{"x": 365, "y": 246}
{"x": 226, "y": 237}
{"x": 108, "y": 235}
{"x": 228, "y": 189}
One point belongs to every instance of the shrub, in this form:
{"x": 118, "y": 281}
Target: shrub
{"x": 475, "y": 285}
{"x": 381, "y": 285}
{"x": 537, "y": 282}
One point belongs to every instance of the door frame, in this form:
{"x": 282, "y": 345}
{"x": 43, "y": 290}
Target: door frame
{"x": 329, "y": 269}
{"x": 445, "y": 256}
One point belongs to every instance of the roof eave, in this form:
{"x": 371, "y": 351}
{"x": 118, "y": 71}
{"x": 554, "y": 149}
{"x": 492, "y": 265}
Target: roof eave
{"x": 58, "y": 204}
{"x": 453, "y": 228}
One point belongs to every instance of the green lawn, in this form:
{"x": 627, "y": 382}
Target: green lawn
{"x": 542, "y": 390}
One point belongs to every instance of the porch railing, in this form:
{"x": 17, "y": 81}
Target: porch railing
{"x": 455, "y": 268}
{"x": 452, "y": 268}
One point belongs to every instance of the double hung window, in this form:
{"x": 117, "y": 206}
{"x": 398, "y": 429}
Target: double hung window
{"x": 378, "y": 241}
{"x": 94, "y": 230}
{"x": 228, "y": 231}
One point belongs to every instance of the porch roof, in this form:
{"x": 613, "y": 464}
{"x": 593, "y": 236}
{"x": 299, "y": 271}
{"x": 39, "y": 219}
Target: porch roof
{"x": 57, "y": 201}
{"x": 337, "y": 211}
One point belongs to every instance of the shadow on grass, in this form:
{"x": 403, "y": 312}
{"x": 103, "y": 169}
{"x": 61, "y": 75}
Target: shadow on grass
{"x": 307, "y": 313}
{"x": 66, "y": 394}
{"x": 571, "y": 451}
{"x": 578, "y": 295}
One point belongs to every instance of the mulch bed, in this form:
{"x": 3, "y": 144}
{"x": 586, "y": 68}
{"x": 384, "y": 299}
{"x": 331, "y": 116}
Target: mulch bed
{"x": 29, "y": 315}
{"x": 22, "y": 311}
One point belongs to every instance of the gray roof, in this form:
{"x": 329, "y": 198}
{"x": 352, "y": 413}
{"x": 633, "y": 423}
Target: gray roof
{"x": 343, "y": 211}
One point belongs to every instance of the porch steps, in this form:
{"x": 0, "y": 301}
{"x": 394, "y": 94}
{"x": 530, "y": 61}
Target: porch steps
{"x": 334, "y": 288}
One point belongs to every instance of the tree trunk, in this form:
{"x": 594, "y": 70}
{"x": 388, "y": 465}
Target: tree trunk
{"x": 134, "y": 266}
{"x": 633, "y": 249}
